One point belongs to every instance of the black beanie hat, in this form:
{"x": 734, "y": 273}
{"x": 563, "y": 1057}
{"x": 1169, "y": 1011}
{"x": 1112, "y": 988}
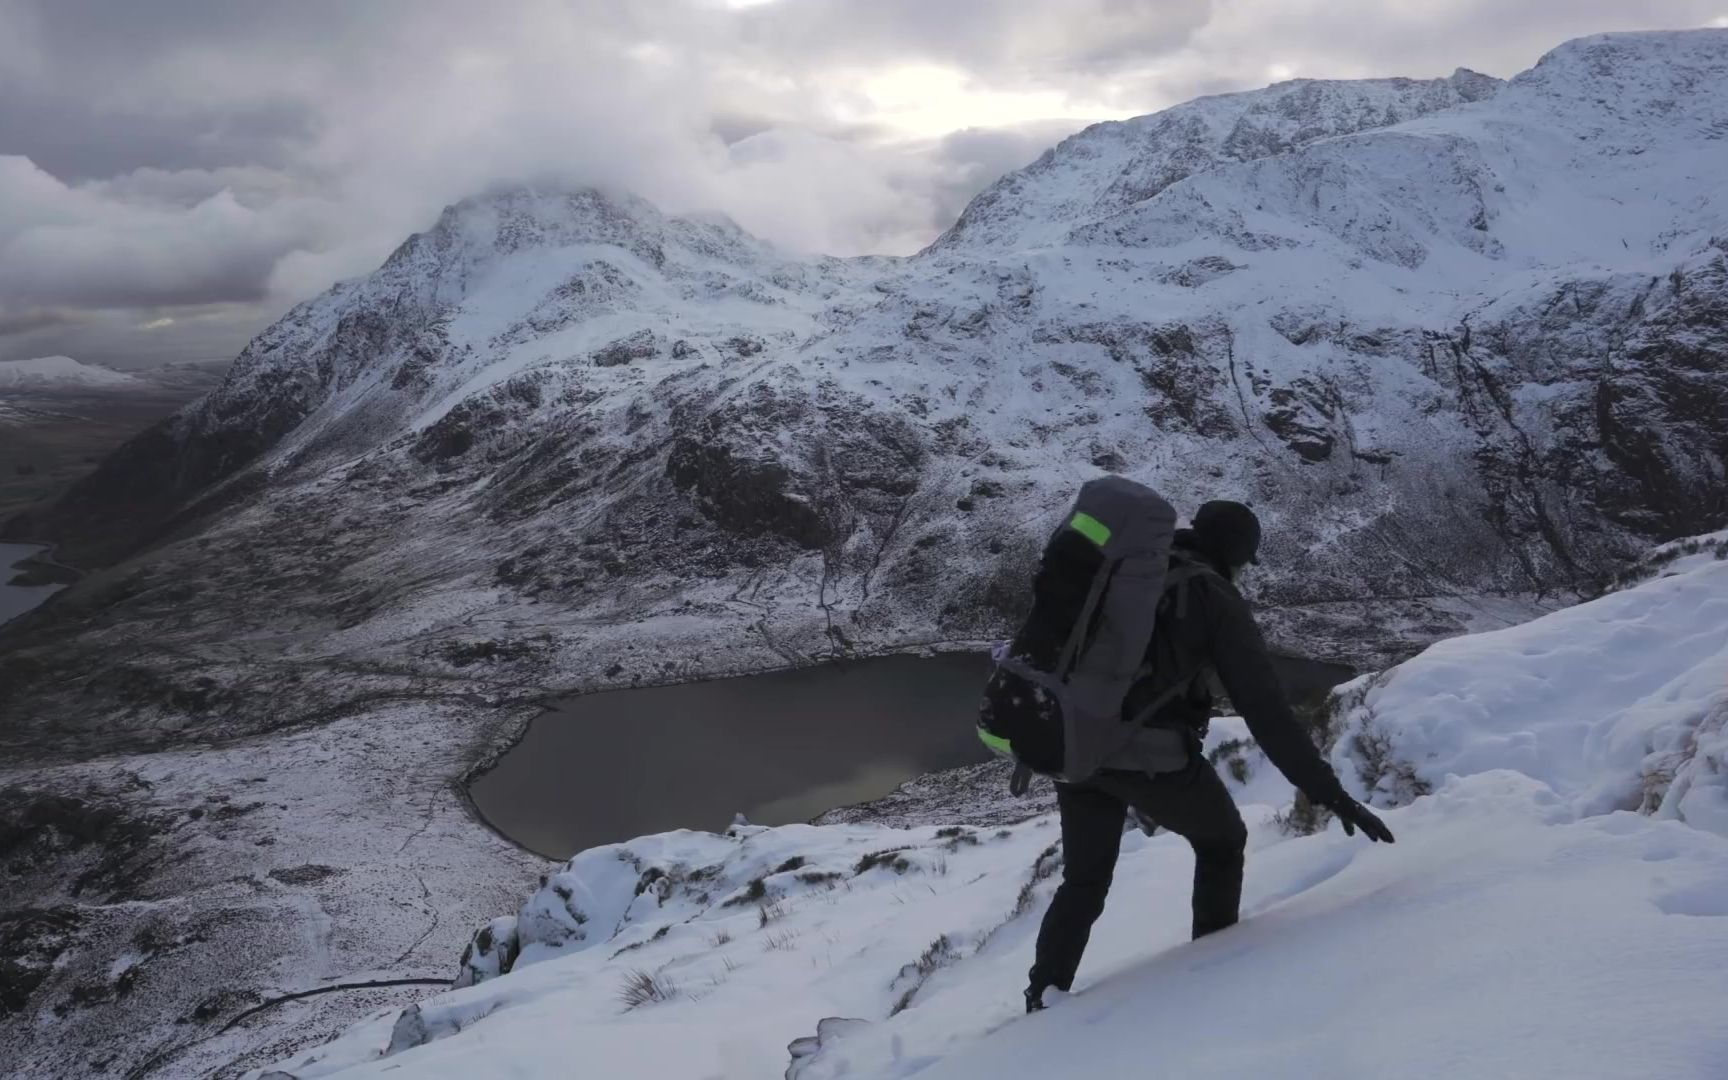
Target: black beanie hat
{"x": 1228, "y": 531}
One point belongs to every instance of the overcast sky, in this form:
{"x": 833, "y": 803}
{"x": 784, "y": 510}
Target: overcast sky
{"x": 175, "y": 173}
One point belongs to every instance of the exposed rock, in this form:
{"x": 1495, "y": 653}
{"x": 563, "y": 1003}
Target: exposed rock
{"x": 642, "y": 345}
{"x": 405, "y": 509}
{"x": 307, "y": 874}
{"x": 491, "y": 953}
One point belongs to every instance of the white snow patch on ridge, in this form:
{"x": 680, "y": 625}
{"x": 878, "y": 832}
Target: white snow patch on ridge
{"x": 60, "y": 372}
{"x": 1521, "y": 926}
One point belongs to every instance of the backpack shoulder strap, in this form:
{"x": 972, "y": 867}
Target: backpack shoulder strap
{"x": 1083, "y": 621}
{"x": 1184, "y": 570}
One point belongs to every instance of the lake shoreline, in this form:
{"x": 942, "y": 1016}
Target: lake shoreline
{"x": 1308, "y": 683}
{"x": 43, "y": 568}
{"x": 24, "y": 572}
{"x": 549, "y": 702}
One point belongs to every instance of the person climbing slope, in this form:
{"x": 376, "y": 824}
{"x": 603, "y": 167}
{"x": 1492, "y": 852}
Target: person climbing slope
{"x": 1203, "y": 625}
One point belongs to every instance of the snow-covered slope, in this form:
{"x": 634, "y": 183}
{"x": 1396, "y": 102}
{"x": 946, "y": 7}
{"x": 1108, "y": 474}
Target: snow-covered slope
{"x": 1111, "y": 166}
{"x": 1547, "y": 911}
{"x": 61, "y": 373}
{"x": 1464, "y": 346}
{"x": 1618, "y": 704}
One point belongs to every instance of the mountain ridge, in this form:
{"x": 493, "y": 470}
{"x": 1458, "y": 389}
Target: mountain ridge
{"x": 1163, "y": 148}
{"x": 595, "y": 446}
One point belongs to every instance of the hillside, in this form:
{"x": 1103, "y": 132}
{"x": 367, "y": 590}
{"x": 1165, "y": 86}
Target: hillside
{"x": 1495, "y": 323}
{"x": 1461, "y": 343}
{"x": 60, "y": 418}
{"x": 1553, "y": 907}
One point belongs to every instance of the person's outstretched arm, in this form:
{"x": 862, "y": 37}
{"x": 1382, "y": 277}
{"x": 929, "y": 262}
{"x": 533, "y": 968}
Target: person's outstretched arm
{"x": 1245, "y": 668}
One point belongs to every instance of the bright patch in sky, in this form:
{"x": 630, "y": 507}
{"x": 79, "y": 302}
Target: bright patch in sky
{"x": 929, "y": 100}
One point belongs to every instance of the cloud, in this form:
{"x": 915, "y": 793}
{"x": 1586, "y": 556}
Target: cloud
{"x": 28, "y": 320}
{"x": 143, "y": 240}
{"x": 1249, "y": 43}
{"x": 201, "y": 156}
{"x": 1020, "y": 42}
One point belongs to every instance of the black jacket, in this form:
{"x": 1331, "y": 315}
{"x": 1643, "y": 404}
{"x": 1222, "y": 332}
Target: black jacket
{"x": 1205, "y": 624}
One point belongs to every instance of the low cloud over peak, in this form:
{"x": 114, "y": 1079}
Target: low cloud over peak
{"x": 210, "y": 163}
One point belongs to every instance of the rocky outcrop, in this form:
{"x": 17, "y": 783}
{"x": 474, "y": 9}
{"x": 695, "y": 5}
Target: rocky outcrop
{"x": 1278, "y": 296}
{"x": 563, "y": 441}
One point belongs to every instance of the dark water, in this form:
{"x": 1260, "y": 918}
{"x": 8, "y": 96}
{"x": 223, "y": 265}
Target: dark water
{"x": 779, "y": 748}
{"x": 15, "y": 600}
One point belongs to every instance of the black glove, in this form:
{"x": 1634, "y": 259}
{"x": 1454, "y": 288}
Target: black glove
{"x": 1354, "y": 815}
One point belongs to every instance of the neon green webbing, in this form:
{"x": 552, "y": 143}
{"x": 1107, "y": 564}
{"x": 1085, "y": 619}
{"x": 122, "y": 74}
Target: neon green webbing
{"x": 995, "y": 742}
{"x": 1091, "y": 528}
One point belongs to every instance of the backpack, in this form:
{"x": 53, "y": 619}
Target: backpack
{"x": 1054, "y": 700}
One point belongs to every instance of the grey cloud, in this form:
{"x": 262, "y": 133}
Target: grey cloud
{"x": 30, "y": 320}
{"x": 90, "y": 246}
{"x": 219, "y": 160}
{"x": 731, "y": 128}
{"x": 138, "y": 339}
{"x": 1026, "y": 41}
{"x": 975, "y": 157}
{"x": 1244, "y": 41}
{"x": 81, "y": 140}
{"x": 251, "y": 186}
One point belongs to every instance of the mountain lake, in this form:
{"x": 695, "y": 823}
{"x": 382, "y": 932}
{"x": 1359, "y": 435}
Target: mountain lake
{"x": 779, "y": 747}
{"x": 15, "y": 600}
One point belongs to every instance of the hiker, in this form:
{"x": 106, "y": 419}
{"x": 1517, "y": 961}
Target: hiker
{"x": 1203, "y": 624}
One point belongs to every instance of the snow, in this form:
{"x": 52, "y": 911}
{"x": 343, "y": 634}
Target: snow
{"x": 1522, "y": 925}
{"x": 1415, "y": 283}
{"x": 61, "y": 373}
{"x": 1612, "y": 704}
{"x": 1113, "y": 165}
{"x": 1310, "y": 251}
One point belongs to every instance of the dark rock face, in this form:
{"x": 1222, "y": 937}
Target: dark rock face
{"x": 31, "y": 940}
{"x": 1632, "y": 376}
{"x": 1303, "y": 416}
{"x": 1660, "y": 412}
{"x": 641, "y": 345}
{"x": 751, "y": 496}
{"x": 846, "y": 460}
{"x": 401, "y": 498}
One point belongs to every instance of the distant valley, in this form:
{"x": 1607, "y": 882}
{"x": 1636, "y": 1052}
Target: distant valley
{"x": 54, "y": 432}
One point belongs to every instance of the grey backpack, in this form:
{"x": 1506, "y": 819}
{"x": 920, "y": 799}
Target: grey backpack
{"x": 1054, "y": 701}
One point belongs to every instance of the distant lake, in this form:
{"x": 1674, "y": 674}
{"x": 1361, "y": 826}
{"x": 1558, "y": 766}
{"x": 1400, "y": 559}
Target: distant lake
{"x": 15, "y": 600}
{"x": 780, "y": 747}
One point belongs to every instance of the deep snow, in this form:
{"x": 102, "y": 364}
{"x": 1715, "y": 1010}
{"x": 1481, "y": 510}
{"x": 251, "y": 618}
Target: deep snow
{"x": 1521, "y": 926}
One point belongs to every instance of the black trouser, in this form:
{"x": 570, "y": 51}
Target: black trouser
{"x": 1193, "y": 803}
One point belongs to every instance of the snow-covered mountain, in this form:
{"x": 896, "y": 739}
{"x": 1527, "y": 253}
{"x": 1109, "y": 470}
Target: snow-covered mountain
{"x": 1110, "y": 167}
{"x": 1553, "y": 906}
{"x": 1463, "y": 344}
{"x": 1475, "y": 349}
{"x": 61, "y": 373}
